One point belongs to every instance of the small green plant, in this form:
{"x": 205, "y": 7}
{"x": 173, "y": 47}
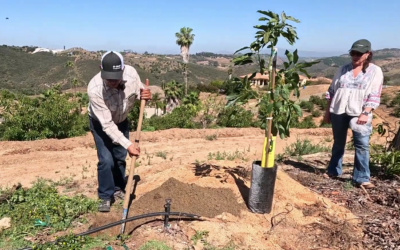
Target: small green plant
{"x": 385, "y": 99}
{"x": 220, "y": 156}
{"x": 307, "y": 122}
{"x": 71, "y": 242}
{"x": 316, "y": 113}
{"x": 395, "y": 101}
{"x": 162, "y": 154}
{"x": 308, "y": 106}
{"x": 304, "y": 147}
{"x": 348, "y": 186}
{"x": 199, "y": 235}
{"x": 211, "y": 137}
{"x": 321, "y": 102}
{"x": 40, "y": 208}
{"x": 154, "y": 245}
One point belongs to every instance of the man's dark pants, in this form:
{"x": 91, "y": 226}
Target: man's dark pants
{"x": 112, "y": 164}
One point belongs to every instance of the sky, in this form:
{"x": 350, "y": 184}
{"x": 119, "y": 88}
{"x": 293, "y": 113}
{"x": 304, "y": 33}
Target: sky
{"x": 221, "y": 26}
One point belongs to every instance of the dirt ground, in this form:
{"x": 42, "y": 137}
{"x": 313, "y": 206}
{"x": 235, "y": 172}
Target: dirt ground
{"x": 181, "y": 164}
{"x": 215, "y": 189}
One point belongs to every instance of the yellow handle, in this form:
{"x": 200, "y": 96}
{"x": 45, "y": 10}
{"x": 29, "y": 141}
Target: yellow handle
{"x": 271, "y": 153}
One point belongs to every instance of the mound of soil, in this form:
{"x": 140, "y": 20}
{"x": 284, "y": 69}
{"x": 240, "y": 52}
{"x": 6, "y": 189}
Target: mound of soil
{"x": 187, "y": 198}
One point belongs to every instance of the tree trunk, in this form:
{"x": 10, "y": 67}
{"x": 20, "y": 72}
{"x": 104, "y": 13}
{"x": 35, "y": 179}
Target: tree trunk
{"x": 185, "y": 54}
{"x": 186, "y": 81}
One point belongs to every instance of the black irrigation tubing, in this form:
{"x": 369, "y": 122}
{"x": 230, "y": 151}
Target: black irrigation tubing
{"x": 142, "y": 216}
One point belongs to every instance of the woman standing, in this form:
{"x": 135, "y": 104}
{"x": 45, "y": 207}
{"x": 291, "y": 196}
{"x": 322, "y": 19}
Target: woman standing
{"x": 352, "y": 96}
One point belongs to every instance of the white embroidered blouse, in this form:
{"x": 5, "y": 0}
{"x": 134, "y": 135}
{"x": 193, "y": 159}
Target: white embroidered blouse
{"x": 350, "y": 95}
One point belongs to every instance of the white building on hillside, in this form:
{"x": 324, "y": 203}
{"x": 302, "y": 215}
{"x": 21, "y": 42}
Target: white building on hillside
{"x": 54, "y": 51}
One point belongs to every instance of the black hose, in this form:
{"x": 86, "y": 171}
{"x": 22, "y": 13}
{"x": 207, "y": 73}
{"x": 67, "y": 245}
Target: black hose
{"x": 137, "y": 217}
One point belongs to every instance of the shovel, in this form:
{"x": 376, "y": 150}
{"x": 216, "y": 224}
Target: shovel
{"x": 132, "y": 170}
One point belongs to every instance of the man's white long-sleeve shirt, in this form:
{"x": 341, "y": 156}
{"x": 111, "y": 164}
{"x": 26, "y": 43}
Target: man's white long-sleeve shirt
{"x": 111, "y": 106}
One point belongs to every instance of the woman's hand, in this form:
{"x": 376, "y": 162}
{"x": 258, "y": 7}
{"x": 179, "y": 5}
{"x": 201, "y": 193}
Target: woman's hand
{"x": 362, "y": 119}
{"x": 327, "y": 117}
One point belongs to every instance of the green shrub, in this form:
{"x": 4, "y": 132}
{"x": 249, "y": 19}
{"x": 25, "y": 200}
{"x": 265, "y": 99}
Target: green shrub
{"x": 321, "y": 102}
{"x": 308, "y": 106}
{"x": 395, "y": 101}
{"x": 325, "y": 125}
{"x": 385, "y": 99}
{"x": 396, "y": 112}
{"x": 307, "y": 122}
{"x": 207, "y": 88}
{"x": 235, "y": 116}
{"x": 181, "y": 117}
{"x": 217, "y": 83}
{"x": 53, "y": 115}
{"x": 316, "y": 113}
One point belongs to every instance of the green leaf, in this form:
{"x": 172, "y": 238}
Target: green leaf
{"x": 285, "y": 92}
{"x": 269, "y": 13}
{"x": 305, "y": 72}
{"x": 276, "y": 94}
{"x": 283, "y": 15}
{"x": 232, "y": 97}
{"x": 252, "y": 76}
{"x": 277, "y": 105}
{"x": 295, "y": 57}
{"x": 289, "y": 56}
{"x": 266, "y": 36}
{"x": 286, "y": 64}
{"x": 289, "y": 38}
{"x": 242, "y": 60}
{"x": 265, "y": 28}
{"x": 241, "y": 49}
{"x": 297, "y": 109}
{"x": 294, "y": 78}
{"x": 292, "y": 19}
{"x": 262, "y": 66}
{"x": 263, "y": 19}
{"x": 306, "y": 64}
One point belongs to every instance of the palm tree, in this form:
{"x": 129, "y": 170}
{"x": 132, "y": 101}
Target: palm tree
{"x": 173, "y": 94}
{"x": 156, "y": 101}
{"x": 185, "y": 40}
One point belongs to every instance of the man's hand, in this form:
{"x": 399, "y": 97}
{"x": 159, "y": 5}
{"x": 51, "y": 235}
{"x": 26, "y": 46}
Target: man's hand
{"x": 133, "y": 151}
{"x": 145, "y": 94}
{"x": 327, "y": 117}
{"x": 362, "y": 119}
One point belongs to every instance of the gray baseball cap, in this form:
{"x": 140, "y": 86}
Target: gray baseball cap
{"x": 362, "y": 45}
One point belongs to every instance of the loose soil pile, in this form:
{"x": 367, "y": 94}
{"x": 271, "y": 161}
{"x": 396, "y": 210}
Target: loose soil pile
{"x": 186, "y": 198}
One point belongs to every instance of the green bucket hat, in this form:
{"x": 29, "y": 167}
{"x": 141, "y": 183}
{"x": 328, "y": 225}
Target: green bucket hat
{"x": 362, "y": 45}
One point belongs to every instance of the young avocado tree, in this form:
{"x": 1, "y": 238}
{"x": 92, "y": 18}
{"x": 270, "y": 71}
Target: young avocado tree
{"x": 275, "y": 106}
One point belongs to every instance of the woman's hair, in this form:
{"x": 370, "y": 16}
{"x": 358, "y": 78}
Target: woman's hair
{"x": 367, "y": 61}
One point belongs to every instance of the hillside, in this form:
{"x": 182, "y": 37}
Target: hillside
{"x": 388, "y": 59}
{"x": 29, "y": 73}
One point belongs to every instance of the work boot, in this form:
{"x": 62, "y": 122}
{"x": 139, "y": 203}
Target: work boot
{"x": 104, "y": 206}
{"x": 119, "y": 195}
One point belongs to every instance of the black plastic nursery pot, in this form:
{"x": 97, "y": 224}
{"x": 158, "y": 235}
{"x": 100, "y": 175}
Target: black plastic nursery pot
{"x": 262, "y": 188}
